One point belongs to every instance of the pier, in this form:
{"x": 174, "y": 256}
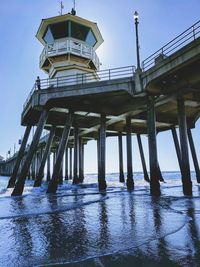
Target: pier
{"x": 81, "y": 103}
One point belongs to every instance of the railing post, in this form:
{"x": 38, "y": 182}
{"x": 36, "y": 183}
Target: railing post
{"x": 143, "y": 65}
{"x": 57, "y": 47}
{"x": 81, "y": 49}
{"x": 82, "y": 78}
{"x": 109, "y": 74}
{"x": 133, "y": 70}
{"x": 67, "y": 46}
{"x": 91, "y": 53}
{"x": 193, "y": 30}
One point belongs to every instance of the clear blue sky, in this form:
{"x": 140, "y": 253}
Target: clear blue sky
{"x": 160, "y": 21}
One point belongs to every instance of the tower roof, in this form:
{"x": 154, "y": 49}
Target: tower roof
{"x": 69, "y": 17}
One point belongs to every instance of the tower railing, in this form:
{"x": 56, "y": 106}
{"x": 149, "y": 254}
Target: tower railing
{"x": 180, "y": 41}
{"x": 69, "y": 45}
{"x": 82, "y": 78}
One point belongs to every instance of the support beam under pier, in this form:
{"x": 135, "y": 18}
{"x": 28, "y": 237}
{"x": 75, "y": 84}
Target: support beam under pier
{"x": 81, "y": 149}
{"x": 194, "y": 155}
{"x": 33, "y": 174}
{"x": 70, "y": 163}
{"x": 129, "y": 181}
{"x": 66, "y": 164}
{"x": 177, "y": 147}
{"x": 121, "y": 165}
{"x": 53, "y": 184}
{"x": 38, "y": 160}
{"x": 160, "y": 177}
{"x": 40, "y": 174}
{"x": 186, "y": 177}
{"x": 19, "y": 186}
{"x": 153, "y": 158}
{"x": 146, "y": 176}
{"x": 76, "y": 147}
{"x": 48, "y": 167}
{"x": 60, "y": 179}
{"x": 102, "y": 154}
{"x": 98, "y": 152}
{"x": 13, "y": 177}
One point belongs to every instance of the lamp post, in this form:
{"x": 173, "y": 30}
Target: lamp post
{"x": 136, "y": 17}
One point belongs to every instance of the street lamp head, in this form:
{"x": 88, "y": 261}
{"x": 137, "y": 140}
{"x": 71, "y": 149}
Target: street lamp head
{"x": 136, "y": 15}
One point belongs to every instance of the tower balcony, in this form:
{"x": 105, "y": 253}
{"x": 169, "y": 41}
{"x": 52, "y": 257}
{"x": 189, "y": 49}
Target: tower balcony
{"x": 69, "y": 46}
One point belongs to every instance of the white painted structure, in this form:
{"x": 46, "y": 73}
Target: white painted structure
{"x": 69, "y": 43}
{"x": 65, "y": 46}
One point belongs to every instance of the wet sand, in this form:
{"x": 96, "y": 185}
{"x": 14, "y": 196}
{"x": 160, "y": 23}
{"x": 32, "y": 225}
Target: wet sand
{"x": 80, "y": 227}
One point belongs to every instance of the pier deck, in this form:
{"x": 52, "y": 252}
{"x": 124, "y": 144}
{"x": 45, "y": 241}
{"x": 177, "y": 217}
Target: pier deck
{"x": 118, "y": 98}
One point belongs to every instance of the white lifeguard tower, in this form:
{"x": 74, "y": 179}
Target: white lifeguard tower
{"x": 69, "y": 43}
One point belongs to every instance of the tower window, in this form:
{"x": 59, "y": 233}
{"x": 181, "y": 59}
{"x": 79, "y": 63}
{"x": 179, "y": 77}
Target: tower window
{"x": 59, "y": 30}
{"x": 56, "y": 31}
{"x": 79, "y": 31}
{"x": 69, "y": 29}
{"x": 90, "y": 39}
{"x": 83, "y": 33}
{"x": 48, "y": 37}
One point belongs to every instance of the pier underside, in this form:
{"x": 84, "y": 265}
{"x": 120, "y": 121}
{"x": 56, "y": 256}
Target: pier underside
{"x": 117, "y": 106}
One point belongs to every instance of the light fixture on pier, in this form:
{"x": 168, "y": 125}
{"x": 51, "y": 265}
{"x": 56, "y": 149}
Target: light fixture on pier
{"x": 136, "y": 15}
{"x": 136, "y": 18}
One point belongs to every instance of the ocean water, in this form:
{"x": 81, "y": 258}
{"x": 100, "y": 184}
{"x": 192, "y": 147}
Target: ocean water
{"x": 78, "y": 226}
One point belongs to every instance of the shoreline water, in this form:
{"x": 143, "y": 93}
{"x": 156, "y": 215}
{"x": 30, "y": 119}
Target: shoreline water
{"x": 78, "y": 226}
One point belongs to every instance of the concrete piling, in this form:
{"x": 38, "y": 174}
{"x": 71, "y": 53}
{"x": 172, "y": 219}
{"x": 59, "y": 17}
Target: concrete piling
{"x": 177, "y": 147}
{"x": 102, "y": 154}
{"x": 53, "y": 184}
{"x": 194, "y": 155}
{"x": 48, "y": 167}
{"x": 40, "y": 173}
{"x": 19, "y": 186}
{"x": 20, "y": 155}
{"x": 81, "y": 151}
{"x": 76, "y": 147}
{"x": 153, "y": 158}
{"x": 186, "y": 176}
{"x": 129, "y": 181}
{"x": 121, "y": 165}
{"x": 146, "y": 175}
{"x": 70, "y": 163}
{"x": 66, "y": 164}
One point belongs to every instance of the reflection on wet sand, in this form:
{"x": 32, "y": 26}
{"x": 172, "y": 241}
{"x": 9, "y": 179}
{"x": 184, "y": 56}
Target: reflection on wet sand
{"x": 104, "y": 235}
{"x": 162, "y": 252}
{"x": 193, "y": 232}
{"x": 127, "y": 227}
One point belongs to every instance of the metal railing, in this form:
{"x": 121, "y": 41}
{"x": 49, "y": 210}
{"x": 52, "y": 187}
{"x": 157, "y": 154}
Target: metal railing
{"x": 180, "y": 41}
{"x": 82, "y": 78}
{"x": 68, "y": 45}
